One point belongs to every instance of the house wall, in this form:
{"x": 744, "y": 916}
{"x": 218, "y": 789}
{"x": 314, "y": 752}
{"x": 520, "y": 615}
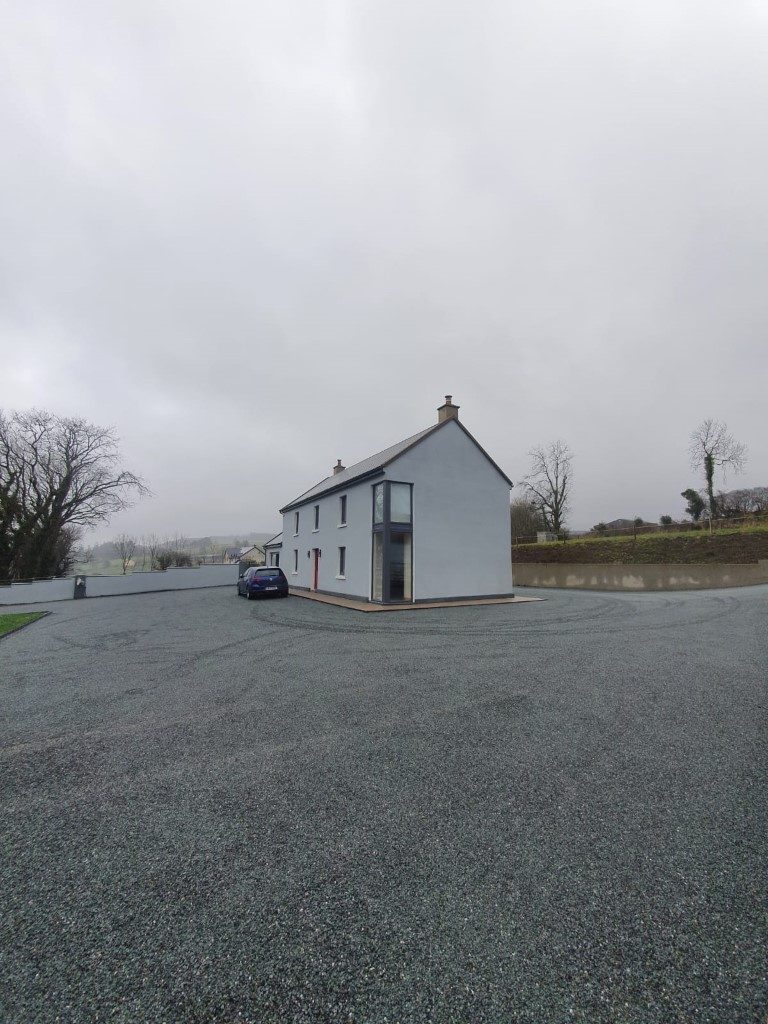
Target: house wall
{"x": 355, "y": 536}
{"x": 461, "y": 538}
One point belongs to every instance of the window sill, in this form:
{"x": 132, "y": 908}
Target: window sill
{"x": 341, "y": 526}
{"x": 294, "y": 573}
{"x": 341, "y": 577}
{"x": 295, "y": 535}
{"x": 316, "y": 531}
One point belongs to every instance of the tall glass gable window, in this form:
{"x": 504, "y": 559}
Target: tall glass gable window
{"x": 392, "y": 558}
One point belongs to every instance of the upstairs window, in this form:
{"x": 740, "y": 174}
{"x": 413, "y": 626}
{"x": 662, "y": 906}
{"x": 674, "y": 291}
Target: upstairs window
{"x": 317, "y": 518}
{"x": 295, "y": 523}
{"x": 400, "y": 503}
{"x": 343, "y": 510}
{"x": 378, "y": 503}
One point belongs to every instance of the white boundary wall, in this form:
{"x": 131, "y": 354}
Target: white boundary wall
{"x": 41, "y": 591}
{"x": 169, "y": 579}
{"x": 37, "y": 591}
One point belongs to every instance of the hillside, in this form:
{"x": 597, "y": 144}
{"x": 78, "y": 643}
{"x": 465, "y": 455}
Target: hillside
{"x": 737, "y": 546}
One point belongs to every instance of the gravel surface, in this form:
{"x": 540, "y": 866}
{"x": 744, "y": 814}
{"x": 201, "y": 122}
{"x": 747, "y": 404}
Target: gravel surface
{"x": 218, "y": 811}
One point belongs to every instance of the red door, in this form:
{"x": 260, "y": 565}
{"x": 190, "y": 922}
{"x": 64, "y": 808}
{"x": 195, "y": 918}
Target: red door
{"x": 315, "y": 567}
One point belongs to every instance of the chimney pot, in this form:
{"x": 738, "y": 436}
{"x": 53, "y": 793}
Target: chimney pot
{"x": 447, "y": 411}
{"x": 338, "y": 468}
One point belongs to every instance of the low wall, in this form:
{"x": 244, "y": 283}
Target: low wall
{"x": 168, "y": 579}
{"x": 41, "y": 591}
{"x": 37, "y": 591}
{"x": 617, "y": 576}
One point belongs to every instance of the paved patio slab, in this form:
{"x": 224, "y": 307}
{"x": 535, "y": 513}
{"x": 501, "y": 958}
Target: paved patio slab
{"x": 367, "y": 606}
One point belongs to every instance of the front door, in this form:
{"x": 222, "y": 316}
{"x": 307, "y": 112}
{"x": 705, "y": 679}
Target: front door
{"x": 315, "y": 567}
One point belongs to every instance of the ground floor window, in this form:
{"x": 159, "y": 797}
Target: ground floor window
{"x": 295, "y": 560}
{"x": 400, "y": 567}
{"x": 377, "y": 582}
{"x": 342, "y": 561}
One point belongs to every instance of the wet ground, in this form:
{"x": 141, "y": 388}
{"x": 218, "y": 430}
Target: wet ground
{"x": 217, "y": 810}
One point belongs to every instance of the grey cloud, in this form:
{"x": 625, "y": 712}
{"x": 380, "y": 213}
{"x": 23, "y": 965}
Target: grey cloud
{"x": 260, "y": 237}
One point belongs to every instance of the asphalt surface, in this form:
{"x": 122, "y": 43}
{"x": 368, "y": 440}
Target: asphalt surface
{"x": 216, "y": 810}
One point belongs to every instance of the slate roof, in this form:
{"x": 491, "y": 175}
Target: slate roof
{"x": 375, "y": 464}
{"x": 274, "y": 541}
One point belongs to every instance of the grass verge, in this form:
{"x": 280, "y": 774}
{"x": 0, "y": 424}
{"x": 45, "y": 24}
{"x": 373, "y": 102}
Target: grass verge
{"x": 17, "y": 620}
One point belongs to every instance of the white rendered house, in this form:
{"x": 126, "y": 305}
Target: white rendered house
{"x": 396, "y": 527}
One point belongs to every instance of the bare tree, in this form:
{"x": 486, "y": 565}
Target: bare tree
{"x": 125, "y": 546}
{"x": 57, "y": 476}
{"x": 548, "y": 484}
{"x": 83, "y": 553}
{"x": 746, "y": 502}
{"x": 175, "y": 551}
{"x": 151, "y": 545}
{"x": 525, "y": 520}
{"x": 712, "y": 447}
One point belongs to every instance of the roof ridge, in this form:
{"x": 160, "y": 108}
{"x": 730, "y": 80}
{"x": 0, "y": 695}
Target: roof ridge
{"x": 377, "y": 460}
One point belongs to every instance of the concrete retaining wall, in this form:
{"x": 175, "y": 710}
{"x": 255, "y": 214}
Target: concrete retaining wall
{"x": 37, "y": 591}
{"x": 640, "y": 577}
{"x": 41, "y": 591}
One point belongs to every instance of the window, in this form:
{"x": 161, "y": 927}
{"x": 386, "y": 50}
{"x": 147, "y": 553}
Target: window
{"x": 342, "y": 561}
{"x": 295, "y": 560}
{"x": 316, "y": 527}
{"x": 343, "y": 510}
{"x": 400, "y": 503}
{"x": 295, "y": 524}
{"x": 400, "y": 567}
{"x": 377, "y": 588}
{"x": 378, "y": 503}
{"x": 392, "y": 551}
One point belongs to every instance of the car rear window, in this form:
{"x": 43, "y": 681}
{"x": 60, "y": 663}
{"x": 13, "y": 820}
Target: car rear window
{"x": 272, "y": 572}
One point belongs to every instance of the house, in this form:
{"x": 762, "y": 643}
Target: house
{"x": 272, "y": 549}
{"x": 426, "y": 519}
{"x": 251, "y": 554}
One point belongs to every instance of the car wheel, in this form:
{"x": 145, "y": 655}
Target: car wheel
{"x": 248, "y": 595}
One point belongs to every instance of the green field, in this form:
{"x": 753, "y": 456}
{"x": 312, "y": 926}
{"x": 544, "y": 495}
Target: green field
{"x": 15, "y": 620}
{"x": 734, "y": 544}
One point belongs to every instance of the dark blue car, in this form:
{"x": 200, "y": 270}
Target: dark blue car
{"x": 262, "y": 581}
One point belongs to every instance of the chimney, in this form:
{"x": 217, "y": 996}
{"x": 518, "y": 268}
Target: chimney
{"x": 338, "y": 468}
{"x": 448, "y": 411}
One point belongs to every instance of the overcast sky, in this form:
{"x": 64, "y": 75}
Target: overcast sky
{"x": 257, "y": 237}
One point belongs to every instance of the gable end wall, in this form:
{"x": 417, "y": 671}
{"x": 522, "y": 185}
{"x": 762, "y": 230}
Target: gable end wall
{"x": 461, "y": 532}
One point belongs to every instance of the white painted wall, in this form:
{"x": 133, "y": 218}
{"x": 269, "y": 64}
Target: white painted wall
{"x": 461, "y": 534}
{"x": 355, "y": 536}
{"x": 169, "y": 579}
{"x": 42, "y": 591}
{"x": 38, "y": 591}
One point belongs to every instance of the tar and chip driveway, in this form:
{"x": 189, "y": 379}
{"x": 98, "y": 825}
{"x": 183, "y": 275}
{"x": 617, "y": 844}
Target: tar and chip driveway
{"x": 216, "y": 811}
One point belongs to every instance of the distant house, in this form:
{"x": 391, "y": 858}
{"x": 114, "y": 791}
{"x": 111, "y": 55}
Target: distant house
{"x": 272, "y": 549}
{"x": 251, "y": 554}
{"x": 425, "y": 519}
